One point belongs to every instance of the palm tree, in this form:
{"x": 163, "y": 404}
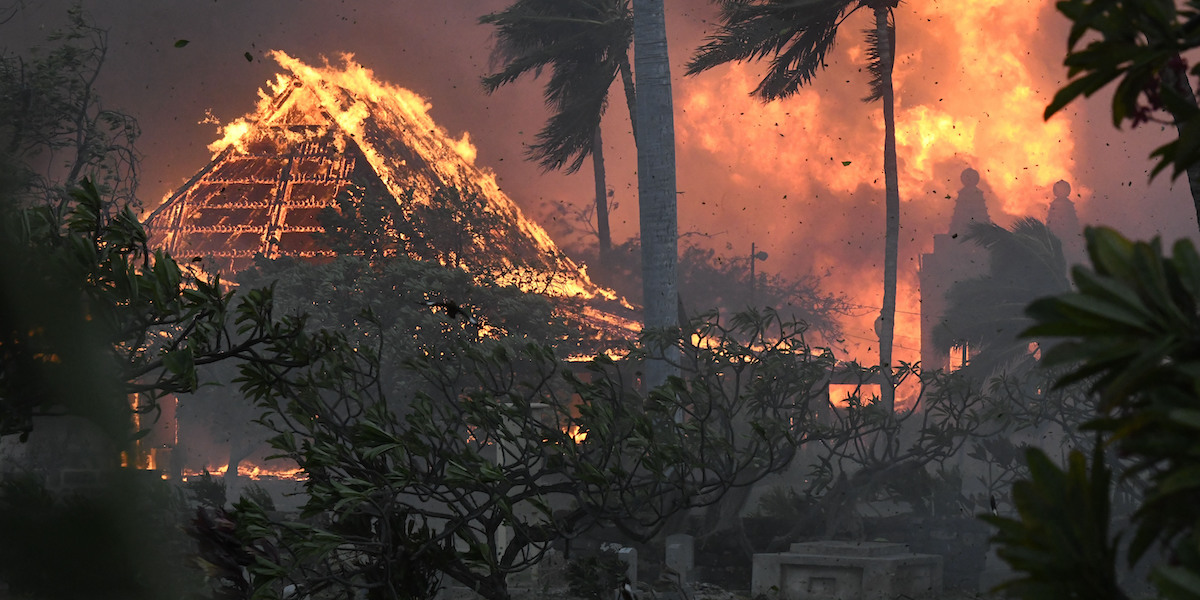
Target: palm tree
{"x": 797, "y": 34}
{"x": 585, "y": 43}
{"x": 988, "y": 313}
{"x": 656, "y": 175}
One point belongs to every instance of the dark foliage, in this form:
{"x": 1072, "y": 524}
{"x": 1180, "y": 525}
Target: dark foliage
{"x": 117, "y": 541}
{"x": 1139, "y": 44}
{"x": 710, "y": 281}
{"x": 595, "y": 577}
{"x": 1130, "y": 333}
{"x": 536, "y": 452}
{"x": 796, "y": 36}
{"x": 54, "y": 128}
{"x": 91, "y": 315}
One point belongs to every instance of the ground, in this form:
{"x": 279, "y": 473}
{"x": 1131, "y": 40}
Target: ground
{"x": 699, "y": 591}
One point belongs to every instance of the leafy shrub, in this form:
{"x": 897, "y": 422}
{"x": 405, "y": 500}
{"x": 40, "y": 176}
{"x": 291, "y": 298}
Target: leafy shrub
{"x": 595, "y": 577}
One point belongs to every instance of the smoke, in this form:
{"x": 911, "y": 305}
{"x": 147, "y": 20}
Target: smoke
{"x": 802, "y": 178}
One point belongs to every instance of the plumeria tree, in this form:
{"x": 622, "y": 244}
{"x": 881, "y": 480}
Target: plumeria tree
{"x": 497, "y": 450}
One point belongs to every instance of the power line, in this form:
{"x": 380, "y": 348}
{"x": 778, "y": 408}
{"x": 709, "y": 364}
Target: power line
{"x": 867, "y": 339}
{"x": 906, "y": 312}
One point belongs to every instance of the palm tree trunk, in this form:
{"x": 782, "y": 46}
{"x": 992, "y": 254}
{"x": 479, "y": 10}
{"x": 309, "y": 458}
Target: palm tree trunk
{"x": 1175, "y": 77}
{"x": 656, "y": 178}
{"x": 887, "y": 321}
{"x": 602, "y": 233}
{"x": 630, "y": 94}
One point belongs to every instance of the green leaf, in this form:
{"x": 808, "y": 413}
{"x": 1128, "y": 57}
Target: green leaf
{"x": 1189, "y": 417}
{"x": 1102, "y": 314}
{"x": 181, "y": 43}
{"x": 1177, "y": 582}
{"x": 1180, "y": 480}
{"x": 180, "y": 361}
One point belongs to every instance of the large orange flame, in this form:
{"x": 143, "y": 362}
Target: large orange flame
{"x": 380, "y": 118}
{"x": 971, "y": 85}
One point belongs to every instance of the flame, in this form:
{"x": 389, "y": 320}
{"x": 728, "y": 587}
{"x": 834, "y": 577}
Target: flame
{"x": 994, "y": 114}
{"x": 232, "y": 134}
{"x": 841, "y": 393}
{"x": 250, "y": 471}
{"x": 391, "y": 126}
{"x": 575, "y": 434}
{"x": 971, "y": 85}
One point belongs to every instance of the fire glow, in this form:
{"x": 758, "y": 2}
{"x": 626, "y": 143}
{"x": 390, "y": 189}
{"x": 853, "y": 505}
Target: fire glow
{"x": 575, "y": 433}
{"x": 250, "y": 471}
{"x": 306, "y": 101}
{"x": 841, "y": 394}
{"x": 971, "y": 82}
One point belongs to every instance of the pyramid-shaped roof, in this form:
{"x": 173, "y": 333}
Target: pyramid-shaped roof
{"x": 321, "y": 132}
{"x": 318, "y": 133}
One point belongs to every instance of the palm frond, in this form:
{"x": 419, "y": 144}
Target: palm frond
{"x": 795, "y": 34}
{"x": 581, "y": 43}
{"x": 880, "y": 72}
{"x": 579, "y": 97}
{"x": 988, "y": 312}
{"x": 1027, "y": 251}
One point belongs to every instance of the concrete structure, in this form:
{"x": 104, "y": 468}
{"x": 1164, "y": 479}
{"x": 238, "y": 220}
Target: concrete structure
{"x": 681, "y": 555}
{"x": 1063, "y": 222}
{"x": 835, "y": 570}
{"x": 953, "y": 259}
{"x": 630, "y": 558}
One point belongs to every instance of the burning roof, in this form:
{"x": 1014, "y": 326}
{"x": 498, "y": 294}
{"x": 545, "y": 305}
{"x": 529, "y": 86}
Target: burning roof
{"x": 321, "y": 132}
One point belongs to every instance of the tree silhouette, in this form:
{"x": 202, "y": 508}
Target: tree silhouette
{"x": 988, "y": 313}
{"x": 1142, "y": 44}
{"x": 55, "y": 130}
{"x": 585, "y": 44}
{"x": 797, "y": 34}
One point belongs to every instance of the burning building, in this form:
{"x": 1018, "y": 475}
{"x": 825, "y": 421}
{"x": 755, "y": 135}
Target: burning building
{"x": 326, "y": 139}
{"x": 320, "y": 133}
{"x": 1034, "y": 267}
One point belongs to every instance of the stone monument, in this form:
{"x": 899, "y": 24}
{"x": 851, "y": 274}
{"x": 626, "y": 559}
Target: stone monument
{"x": 835, "y": 570}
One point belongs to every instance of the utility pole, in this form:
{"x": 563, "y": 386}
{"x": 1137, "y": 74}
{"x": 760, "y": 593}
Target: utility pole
{"x": 759, "y": 255}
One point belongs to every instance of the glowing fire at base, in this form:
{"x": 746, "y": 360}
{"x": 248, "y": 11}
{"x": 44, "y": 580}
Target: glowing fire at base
{"x": 577, "y": 435}
{"x": 254, "y": 472}
{"x": 840, "y": 394}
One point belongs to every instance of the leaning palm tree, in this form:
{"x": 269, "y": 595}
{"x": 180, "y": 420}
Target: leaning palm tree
{"x": 987, "y": 314}
{"x": 797, "y": 34}
{"x": 585, "y": 44}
